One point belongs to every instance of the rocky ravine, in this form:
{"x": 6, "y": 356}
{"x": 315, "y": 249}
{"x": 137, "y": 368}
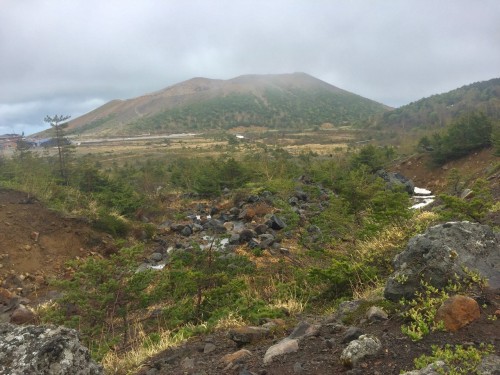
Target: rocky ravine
{"x": 361, "y": 338}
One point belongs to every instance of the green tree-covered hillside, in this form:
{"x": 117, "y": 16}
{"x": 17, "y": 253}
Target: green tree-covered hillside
{"x": 437, "y": 111}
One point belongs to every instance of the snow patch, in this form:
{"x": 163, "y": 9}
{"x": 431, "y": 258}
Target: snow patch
{"x": 420, "y": 191}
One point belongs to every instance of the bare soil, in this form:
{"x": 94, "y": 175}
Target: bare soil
{"x": 320, "y": 354}
{"x": 35, "y": 243}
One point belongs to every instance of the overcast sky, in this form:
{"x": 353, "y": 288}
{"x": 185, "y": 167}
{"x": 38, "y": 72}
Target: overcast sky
{"x": 69, "y": 57}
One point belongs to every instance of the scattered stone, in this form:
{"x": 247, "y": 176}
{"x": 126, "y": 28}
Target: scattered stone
{"x": 276, "y": 223}
{"x": 458, "y": 311}
{"x": 275, "y": 322}
{"x": 298, "y": 368}
{"x": 235, "y": 211}
{"x": 345, "y": 309}
{"x": 330, "y": 343}
{"x": 351, "y": 334}
{"x": 235, "y": 239}
{"x": 246, "y": 235}
{"x": 229, "y": 226}
{"x": 6, "y": 296}
{"x": 467, "y": 194}
{"x": 187, "y": 363}
{"x": 236, "y": 357}
{"x": 266, "y": 242}
{"x": 442, "y": 252}
{"x": 431, "y": 369}
{"x": 285, "y": 346}
{"x": 261, "y": 229}
{"x": 246, "y": 335}
{"x": 301, "y": 195}
{"x": 396, "y": 180}
{"x": 490, "y": 365}
{"x": 375, "y": 314}
{"x": 186, "y": 231}
{"x": 208, "y": 348}
{"x": 215, "y": 226}
{"x": 358, "y": 349}
{"x": 34, "y": 236}
{"x": 46, "y": 350}
{"x": 253, "y": 199}
{"x": 304, "y": 329}
{"x": 156, "y": 257}
{"x": 22, "y": 315}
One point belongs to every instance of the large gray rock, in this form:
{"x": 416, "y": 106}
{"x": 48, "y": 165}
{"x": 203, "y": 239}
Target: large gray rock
{"x": 46, "y": 350}
{"x": 357, "y": 350}
{"x": 442, "y": 252}
{"x": 395, "y": 180}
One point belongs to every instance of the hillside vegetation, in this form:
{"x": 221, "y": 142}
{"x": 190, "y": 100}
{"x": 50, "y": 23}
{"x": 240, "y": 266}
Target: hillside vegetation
{"x": 287, "y": 101}
{"x": 331, "y": 227}
{"x": 194, "y": 239}
{"x": 436, "y": 111}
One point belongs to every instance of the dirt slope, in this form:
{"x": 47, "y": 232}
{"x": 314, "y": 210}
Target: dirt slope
{"x": 479, "y": 164}
{"x": 35, "y": 242}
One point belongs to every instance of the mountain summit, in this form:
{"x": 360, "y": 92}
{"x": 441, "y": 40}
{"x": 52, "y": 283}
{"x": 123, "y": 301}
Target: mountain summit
{"x": 276, "y": 101}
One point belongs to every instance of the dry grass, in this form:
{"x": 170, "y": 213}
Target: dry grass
{"x": 130, "y": 361}
{"x": 150, "y": 345}
{"x": 394, "y": 237}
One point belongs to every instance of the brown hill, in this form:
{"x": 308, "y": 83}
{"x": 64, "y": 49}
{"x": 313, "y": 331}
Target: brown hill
{"x": 277, "y": 101}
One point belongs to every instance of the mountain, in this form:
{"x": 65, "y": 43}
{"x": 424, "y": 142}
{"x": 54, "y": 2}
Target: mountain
{"x": 279, "y": 101}
{"x": 438, "y": 110}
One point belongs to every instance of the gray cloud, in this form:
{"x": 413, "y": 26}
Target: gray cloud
{"x": 68, "y": 57}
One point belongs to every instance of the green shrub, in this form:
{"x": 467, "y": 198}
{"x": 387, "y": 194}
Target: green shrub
{"x": 458, "y": 360}
{"x": 343, "y": 276}
{"x": 112, "y": 224}
{"x": 422, "y": 312}
{"x": 474, "y": 208}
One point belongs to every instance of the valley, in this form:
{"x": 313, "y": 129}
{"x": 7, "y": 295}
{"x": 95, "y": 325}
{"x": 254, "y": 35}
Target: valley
{"x": 253, "y": 249}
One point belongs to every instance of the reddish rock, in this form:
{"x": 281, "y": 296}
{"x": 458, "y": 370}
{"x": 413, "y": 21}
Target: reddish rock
{"x": 22, "y": 315}
{"x": 458, "y": 311}
{"x": 34, "y": 236}
{"x": 235, "y": 357}
{"x": 5, "y": 296}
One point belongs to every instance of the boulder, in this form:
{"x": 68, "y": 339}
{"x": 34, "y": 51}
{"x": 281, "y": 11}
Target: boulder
{"x": 490, "y": 365}
{"x": 457, "y": 311}
{"x": 186, "y": 231}
{"x": 358, "y": 349}
{"x": 443, "y": 251}
{"x": 285, "y": 346}
{"x": 156, "y": 257}
{"x": 246, "y": 335}
{"x": 376, "y": 313}
{"x": 22, "y": 315}
{"x": 208, "y": 348}
{"x": 304, "y": 329}
{"x": 395, "y": 180}
{"x": 276, "y": 223}
{"x": 352, "y": 333}
{"x": 236, "y": 357}
{"x": 46, "y": 350}
{"x": 247, "y": 234}
{"x": 261, "y": 229}
{"x": 215, "y": 226}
